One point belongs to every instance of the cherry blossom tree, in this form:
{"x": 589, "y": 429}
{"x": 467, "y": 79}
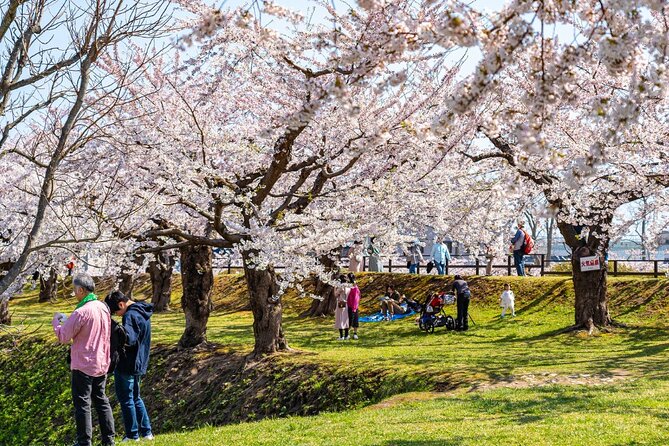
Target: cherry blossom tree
{"x": 49, "y": 94}
{"x": 265, "y": 142}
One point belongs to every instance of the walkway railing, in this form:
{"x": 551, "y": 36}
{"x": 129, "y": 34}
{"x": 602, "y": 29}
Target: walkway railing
{"x": 477, "y": 266}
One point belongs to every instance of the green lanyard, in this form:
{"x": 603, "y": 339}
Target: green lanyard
{"x": 85, "y": 300}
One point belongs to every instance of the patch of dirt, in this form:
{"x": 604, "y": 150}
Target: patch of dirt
{"x": 549, "y": 379}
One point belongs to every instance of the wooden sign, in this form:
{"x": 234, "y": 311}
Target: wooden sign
{"x": 590, "y": 263}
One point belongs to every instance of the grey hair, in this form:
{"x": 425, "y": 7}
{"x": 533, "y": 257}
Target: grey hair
{"x": 84, "y": 281}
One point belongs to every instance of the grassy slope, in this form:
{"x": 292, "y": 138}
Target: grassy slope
{"x": 495, "y": 351}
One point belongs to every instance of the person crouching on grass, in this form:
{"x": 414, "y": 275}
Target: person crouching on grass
{"x": 132, "y": 366}
{"x": 353, "y": 302}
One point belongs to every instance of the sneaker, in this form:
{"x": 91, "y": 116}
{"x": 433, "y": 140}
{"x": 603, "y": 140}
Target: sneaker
{"x": 340, "y": 338}
{"x": 148, "y": 437}
{"x": 346, "y": 338}
{"x": 355, "y": 336}
{"x": 129, "y": 439}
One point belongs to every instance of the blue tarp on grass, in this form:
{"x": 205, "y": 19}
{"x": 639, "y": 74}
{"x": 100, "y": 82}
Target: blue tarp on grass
{"x": 378, "y": 317}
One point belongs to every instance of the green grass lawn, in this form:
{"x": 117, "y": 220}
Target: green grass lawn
{"x": 511, "y": 381}
{"x": 636, "y": 413}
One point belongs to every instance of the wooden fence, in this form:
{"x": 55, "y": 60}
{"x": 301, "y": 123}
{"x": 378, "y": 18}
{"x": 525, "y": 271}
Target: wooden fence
{"x": 478, "y": 266}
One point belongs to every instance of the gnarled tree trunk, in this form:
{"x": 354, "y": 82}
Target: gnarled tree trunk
{"x": 160, "y": 271}
{"x": 48, "y": 286}
{"x": 5, "y": 317}
{"x": 326, "y": 306}
{"x": 126, "y": 280}
{"x": 591, "y": 303}
{"x": 198, "y": 280}
{"x": 266, "y": 307}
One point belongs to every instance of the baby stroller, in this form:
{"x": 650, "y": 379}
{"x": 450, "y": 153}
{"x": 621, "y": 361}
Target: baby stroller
{"x": 432, "y": 313}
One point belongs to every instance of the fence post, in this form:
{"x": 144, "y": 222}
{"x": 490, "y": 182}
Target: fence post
{"x": 543, "y": 260}
{"x": 418, "y": 268}
{"x": 446, "y": 268}
{"x": 229, "y": 267}
{"x": 364, "y": 263}
{"x": 477, "y": 266}
{"x": 655, "y": 270}
{"x": 615, "y": 267}
{"x": 508, "y": 264}
{"x": 390, "y": 265}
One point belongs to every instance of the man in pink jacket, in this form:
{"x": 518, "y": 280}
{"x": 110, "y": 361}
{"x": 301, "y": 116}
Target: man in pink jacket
{"x": 89, "y": 329}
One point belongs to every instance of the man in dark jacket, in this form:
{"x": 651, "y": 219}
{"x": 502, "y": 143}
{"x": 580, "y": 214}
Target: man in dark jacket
{"x": 132, "y": 366}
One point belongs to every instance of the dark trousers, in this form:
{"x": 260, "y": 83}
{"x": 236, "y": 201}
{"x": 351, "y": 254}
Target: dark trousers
{"x": 462, "y": 321}
{"x": 86, "y": 390}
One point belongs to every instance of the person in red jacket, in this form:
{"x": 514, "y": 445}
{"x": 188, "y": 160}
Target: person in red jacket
{"x": 353, "y": 302}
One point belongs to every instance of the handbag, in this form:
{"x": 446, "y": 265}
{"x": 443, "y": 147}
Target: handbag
{"x": 341, "y": 304}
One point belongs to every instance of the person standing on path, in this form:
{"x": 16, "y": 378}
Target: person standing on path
{"x": 353, "y": 302}
{"x": 461, "y": 290}
{"x": 414, "y": 256}
{"x": 89, "y": 329}
{"x": 374, "y": 253}
{"x": 355, "y": 257}
{"x": 440, "y": 256}
{"x": 136, "y": 317}
{"x": 517, "y": 243}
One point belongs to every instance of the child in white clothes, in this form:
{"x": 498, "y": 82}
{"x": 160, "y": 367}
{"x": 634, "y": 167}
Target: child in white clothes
{"x": 508, "y": 299}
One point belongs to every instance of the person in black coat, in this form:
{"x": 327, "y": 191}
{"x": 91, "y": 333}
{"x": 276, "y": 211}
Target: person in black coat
{"x": 461, "y": 290}
{"x": 136, "y": 317}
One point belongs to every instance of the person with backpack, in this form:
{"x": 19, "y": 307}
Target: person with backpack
{"x": 132, "y": 365}
{"x": 517, "y": 244}
{"x": 89, "y": 329}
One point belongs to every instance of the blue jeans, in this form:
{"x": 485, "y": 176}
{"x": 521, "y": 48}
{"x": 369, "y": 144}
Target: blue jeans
{"x": 519, "y": 260}
{"x": 135, "y": 418}
{"x": 413, "y": 268}
{"x": 440, "y": 268}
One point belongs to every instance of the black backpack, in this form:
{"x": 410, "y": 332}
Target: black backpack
{"x": 119, "y": 338}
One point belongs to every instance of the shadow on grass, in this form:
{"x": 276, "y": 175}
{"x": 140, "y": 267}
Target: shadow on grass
{"x": 440, "y": 442}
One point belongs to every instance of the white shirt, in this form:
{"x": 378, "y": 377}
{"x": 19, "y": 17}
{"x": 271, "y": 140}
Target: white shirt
{"x": 508, "y": 297}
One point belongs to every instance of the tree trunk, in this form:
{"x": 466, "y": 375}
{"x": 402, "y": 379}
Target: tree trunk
{"x": 198, "y": 281}
{"x": 160, "y": 271}
{"x": 48, "y": 287}
{"x": 590, "y": 292}
{"x": 550, "y": 223}
{"x": 126, "y": 283}
{"x": 266, "y": 307}
{"x": 325, "y": 307}
{"x": 126, "y": 280}
{"x": 5, "y": 317}
{"x": 590, "y": 306}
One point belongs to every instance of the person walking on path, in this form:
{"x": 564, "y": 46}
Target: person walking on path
{"x": 440, "y": 256}
{"x": 353, "y": 302}
{"x": 355, "y": 257}
{"x": 374, "y": 253}
{"x": 517, "y": 244}
{"x": 414, "y": 256}
{"x": 89, "y": 329}
{"x": 508, "y": 301}
{"x": 132, "y": 366}
{"x": 461, "y": 290}
{"x": 341, "y": 312}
